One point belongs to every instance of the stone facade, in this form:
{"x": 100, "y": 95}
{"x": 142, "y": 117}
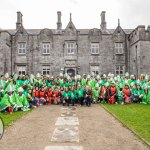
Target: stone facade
{"x": 76, "y": 51}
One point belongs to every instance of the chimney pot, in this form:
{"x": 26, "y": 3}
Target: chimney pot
{"x": 59, "y": 24}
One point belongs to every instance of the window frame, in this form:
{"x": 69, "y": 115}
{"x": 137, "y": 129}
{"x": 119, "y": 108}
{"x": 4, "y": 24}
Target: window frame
{"x": 21, "y": 69}
{"x": 46, "y": 69}
{"x": 45, "y": 48}
{"x": 119, "y": 48}
{"x": 70, "y": 49}
{"x": 95, "y": 69}
{"x": 94, "y": 48}
{"x": 22, "y": 49}
{"x": 118, "y": 71}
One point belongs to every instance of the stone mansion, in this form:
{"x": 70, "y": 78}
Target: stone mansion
{"x": 74, "y": 51}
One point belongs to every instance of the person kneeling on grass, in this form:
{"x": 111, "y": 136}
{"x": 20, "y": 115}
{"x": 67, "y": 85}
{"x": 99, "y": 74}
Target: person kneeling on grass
{"x": 146, "y": 95}
{"x": 7, "y": 103}
{"x": 126, "y": 95}
{"x": 20, "y": 97}
{"x": 138, "y": 94}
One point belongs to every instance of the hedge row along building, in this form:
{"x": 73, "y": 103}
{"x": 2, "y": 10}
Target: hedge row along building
{"x": 74, "y": 51}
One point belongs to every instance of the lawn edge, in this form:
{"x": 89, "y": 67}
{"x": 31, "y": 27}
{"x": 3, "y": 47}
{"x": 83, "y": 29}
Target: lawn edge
{"x": 126, "y": 126}
{"x": 13, "y": 122}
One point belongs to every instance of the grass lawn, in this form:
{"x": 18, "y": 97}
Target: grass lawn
{"x": 135, "y": 116}
{"x": 9, "y": 119}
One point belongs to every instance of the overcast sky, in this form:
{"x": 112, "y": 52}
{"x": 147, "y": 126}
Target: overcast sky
{"x": 41, "y": 14}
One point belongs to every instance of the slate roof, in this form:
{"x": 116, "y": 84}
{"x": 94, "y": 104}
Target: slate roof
{"x": 82, "y": 31}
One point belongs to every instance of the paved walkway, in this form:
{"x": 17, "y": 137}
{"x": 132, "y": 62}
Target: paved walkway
{"x": 82, "y": 128}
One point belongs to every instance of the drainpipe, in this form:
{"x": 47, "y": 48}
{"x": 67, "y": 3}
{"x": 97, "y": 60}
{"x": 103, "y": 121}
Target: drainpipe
{"x": 11, "y": 54}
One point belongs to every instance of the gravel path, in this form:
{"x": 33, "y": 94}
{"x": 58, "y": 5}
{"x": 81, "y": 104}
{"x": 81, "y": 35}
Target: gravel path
{"x": 98, "y": 130}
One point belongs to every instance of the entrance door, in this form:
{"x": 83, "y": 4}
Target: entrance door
{"x": 71, "y": 72}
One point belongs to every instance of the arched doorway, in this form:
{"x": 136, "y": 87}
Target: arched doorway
{"x": 71, "y": 72}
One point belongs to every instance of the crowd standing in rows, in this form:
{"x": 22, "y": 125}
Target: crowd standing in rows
{"x": 22, "y": 92}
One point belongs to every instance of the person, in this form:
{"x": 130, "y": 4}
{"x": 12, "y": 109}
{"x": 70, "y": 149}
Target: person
{"x": 33, "y": 101}
{"x": 139, "y": 93}
{"x": 104, "y": 93}
{"x": 42, "y": 96}
{"x": 22, "y": 101}
{"x": 88, "y": 96}
{"x": 96, "y": 93}
{"x": 126, "y": 95}
{"x": 80, "y": 94}
{"x": 7, "y": 102}
{"x": 146, "y": 95}
{"x": 113, "y": 97}
{"x": 65, "y": 96}
{"x": 72, "y": 95}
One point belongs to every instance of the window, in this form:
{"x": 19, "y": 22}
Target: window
{"x": 46, "y": 70}
{"x": 120, "y": 70}
{"x": 21, "y": 70}
{"x": 70, "y": 48}
{"x": 22, "y": 48}
{"x": 95, "y": 69}
{"x": 46, "y": 48}
{"x": 94, "y": 48}
{"x": 119, "y": 48}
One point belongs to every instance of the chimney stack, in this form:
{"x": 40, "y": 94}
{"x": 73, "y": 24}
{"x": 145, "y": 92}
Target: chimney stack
{"x": 103, "y": 21}
{"x": 59, "y": 24}
{"x": 19, "y": 20}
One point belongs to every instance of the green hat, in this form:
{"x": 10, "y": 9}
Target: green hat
{"x": 93, "y": 74}
{"x": 132, "y": 84}
{"x": 146, "y": 77}
{"x": 115, "y": 78}
{"x": 145, "y": 86}
{"x": 100, "y": 81}
{"x": 15, "y": 76}
{"x": 98, "y": 77}
{"x": 47, "y": 76}
{"x": 126, "y": 81}
{"x": 7, "y": 75}
{"x": 31, "y": 76}
{"x": 20, "y": 89}
{"x": 38, "y": 75}
{"x": 61, "y": 74}
{"x": 126, "y": 74}
{"x": 10, "y": 88}
{"x": 104, "y": 75}
{"x": 79, "y": 84}
{"x": 97, "y": 85}
{"x": 88, "y": 76}
{"x": 1, "y": 83}
{"x": 138, "y": 82}
{"x": 106, "y": 84}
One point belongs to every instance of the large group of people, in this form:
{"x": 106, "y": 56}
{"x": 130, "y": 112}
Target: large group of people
{"x": 22, "y": 92}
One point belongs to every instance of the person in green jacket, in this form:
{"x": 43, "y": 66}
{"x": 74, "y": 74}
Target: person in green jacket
{"x": 138, "y": 94}
{"x": 96, "y": 93}
{"x": 80, "y": 94}
{"x": 8, "y": 100}
{"x": 22, "y": 101}
{"x": 72, "y": 96}
{"x": 146, "y": 95}
{"x": 65, "y": 96}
